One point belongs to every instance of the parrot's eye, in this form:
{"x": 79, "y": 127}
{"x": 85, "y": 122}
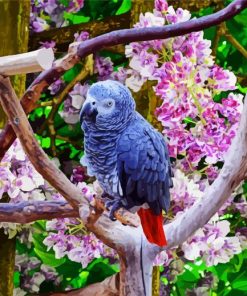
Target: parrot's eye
{"x": 109, "y": 104}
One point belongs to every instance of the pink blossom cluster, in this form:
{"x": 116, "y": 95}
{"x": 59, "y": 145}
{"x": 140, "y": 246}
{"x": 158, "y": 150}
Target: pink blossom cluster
{"x": 79, "y": 247}
{"x": 213, "y": 243}
{"x": 187, "y": 80}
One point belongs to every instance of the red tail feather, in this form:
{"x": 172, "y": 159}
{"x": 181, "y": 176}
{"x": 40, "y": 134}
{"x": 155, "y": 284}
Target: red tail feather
{"x": 152, "y": 226}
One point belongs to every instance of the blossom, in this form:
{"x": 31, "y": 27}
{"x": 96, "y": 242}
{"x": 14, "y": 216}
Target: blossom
{"x": 82, "y": 36}
{"x": 73, "y": 103}
{"x": 212, "y": 244}
{"x": 39, "y": 25}
{"x": 103, "y": 66}
{"x": 161, "y": 5}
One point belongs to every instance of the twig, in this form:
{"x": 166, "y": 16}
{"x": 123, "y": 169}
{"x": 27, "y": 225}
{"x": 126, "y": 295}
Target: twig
{"x": 234, "y": 41}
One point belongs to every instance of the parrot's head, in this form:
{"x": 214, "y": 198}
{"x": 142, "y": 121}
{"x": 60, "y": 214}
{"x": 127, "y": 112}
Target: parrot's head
{"x": 108, "y": 105}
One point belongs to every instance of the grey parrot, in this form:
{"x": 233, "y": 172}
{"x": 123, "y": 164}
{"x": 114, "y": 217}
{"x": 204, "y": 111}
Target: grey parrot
{"x": 128, "y": 157}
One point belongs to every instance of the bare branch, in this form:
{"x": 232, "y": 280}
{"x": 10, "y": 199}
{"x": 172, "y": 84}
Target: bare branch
{"x": 77, "y": 52}
{"x": 30, "y": 62}
{"x": 30, "y": 211}
{"x": 233, "y": 172}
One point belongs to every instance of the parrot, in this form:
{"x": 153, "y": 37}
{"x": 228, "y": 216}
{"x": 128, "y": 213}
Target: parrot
{"x": 127, "y": 155}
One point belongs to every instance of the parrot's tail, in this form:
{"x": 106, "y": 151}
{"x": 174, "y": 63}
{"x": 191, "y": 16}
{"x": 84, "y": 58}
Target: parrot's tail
{"x": 152, "y": 226}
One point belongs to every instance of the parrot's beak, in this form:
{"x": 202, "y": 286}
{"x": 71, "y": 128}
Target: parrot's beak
{"x": 88, "y": 112}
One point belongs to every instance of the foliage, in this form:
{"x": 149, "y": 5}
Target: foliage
{"x": 199, "y": 113}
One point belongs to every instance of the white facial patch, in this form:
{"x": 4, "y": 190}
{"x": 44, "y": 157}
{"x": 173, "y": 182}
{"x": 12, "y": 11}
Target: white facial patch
{"x": 105, "y": 106}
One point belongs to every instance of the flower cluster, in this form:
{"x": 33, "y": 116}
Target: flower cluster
{"x": 30, "y": 279}
{"x": 48, "y": 14}
{"x": 212, "y": 244}
{"x": 79, "y": 247}
{"x": 197, "y": 127}
{"x": 18, "y": 178}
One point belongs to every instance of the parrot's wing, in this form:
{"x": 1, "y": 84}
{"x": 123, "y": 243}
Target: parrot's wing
{"x": 144, "y": 168}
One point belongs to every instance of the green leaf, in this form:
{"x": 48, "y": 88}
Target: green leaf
{"x": 48, "y": 258}
{"x": 241, "y": 18}
{"x": 240, "y": 285}
{"x": 72, "y": 73}
{"x": 80, "y": 281}
{"x": 125, "y": 6}
{"x": 75, "y": 19}
{"x": 99, "y": 270}
{"x": 16, "y": 279}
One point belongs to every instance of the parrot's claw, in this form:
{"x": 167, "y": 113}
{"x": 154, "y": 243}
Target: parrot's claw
{"x": 115, "y": 205}
{"x": 106, "y": 195}
{"x": 109, "y": 203}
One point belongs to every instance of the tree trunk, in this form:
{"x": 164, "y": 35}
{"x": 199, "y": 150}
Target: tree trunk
{"x": 136, "y": 268}
{"x": 7, "y": 263}
{"x": 14, "y": 24}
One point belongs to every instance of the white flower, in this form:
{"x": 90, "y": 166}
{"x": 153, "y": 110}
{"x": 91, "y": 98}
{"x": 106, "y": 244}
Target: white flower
{"x": 19, "y": 292}
{"x": 135, "y": 81}
{"x": 77, "y": 101}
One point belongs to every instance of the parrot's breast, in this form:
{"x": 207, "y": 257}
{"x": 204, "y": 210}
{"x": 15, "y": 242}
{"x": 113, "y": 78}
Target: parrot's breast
{"x": 100, "y": 158}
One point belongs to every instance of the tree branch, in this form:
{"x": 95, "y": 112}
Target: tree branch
{"x": 77, "y": 52}
{"x": 30, "y": 211}
{"x": 29, "y": 62}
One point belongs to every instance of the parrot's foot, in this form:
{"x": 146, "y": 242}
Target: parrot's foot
{"x": 106, "y": 195}
{"x": 115, "y": 205}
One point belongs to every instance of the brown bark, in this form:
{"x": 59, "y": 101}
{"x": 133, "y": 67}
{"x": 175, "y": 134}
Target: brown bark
{"x": 64, "y": 36}
{"x": 108, "y": 287}
{"x": 7, "y": 264}
{"x": 14, "y": 23}
{"x": 26, "y": 212}
{"x": 194, "y": 5}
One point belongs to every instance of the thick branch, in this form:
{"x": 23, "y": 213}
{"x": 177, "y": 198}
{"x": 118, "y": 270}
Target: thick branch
{"x": 116, "y": 37}
{"x": 233, "y": 172}
{"x": 30, "y": 62}
{"x": 30, "y": 211}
